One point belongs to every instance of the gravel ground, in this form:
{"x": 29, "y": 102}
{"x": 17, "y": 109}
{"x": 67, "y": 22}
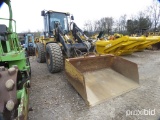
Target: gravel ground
{"x": 53, "y": 98}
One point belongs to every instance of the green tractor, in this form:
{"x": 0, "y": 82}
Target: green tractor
{"x": 15, "y": 72}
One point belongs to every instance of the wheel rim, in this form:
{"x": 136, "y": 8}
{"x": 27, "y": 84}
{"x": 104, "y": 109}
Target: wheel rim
{"x": 48, "y": 58}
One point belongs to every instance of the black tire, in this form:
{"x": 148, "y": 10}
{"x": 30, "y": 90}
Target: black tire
{"x": 54, "y": 57}
{"x": 28, "y": 64}
{"x": 1, "y": 116}
{"x": 40, "y": 53}
{"x": 31, "y": 51}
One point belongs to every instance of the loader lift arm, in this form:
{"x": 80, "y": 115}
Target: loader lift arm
{"x": 71, "y": 47}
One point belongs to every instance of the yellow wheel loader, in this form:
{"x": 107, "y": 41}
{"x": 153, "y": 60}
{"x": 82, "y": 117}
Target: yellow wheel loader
{"x": 60, "y": 39}
{"x": 95, "y": 77}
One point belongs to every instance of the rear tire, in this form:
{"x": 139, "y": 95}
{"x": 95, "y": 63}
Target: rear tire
{"x": 40, "y": 53}
{"x": 31, "y": 51}
{"x": 54, "y": 57}
{"x": 28, "y": 64}
{"x": 1, "y": 116}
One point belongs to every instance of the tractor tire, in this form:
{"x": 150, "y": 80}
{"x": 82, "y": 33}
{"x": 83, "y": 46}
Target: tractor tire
{"x": 40, "y": 53}
{"x": 28, "y": 64}
{"x": 1, "y": 116}
{"x": 31, "y": 51}
{"x": 54, "y": 57}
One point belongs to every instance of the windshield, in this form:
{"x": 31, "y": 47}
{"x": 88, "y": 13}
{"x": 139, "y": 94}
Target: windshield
{"x": 61, "y": 18}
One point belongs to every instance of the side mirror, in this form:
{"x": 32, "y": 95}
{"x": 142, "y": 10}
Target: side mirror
{"x": 72, "y": 17}
{"x": 42, "y": 13}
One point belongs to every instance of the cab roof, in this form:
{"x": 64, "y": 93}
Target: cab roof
{"x": 50, "y": 11}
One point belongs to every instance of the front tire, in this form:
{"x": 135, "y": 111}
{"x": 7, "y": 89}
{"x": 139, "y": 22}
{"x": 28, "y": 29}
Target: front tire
{"x": 40, "y": 53}
{"x": 54, "y": 57}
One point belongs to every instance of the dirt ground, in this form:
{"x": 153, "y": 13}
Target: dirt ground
{"x": 53, "y": 98}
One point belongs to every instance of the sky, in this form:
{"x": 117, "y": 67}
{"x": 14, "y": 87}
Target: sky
{"x": 27, "y": 13}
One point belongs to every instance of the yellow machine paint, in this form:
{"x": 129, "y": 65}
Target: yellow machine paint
{"x": 155, "y": 46}
{"x": 130, "y": 46}
{"x": 148, "y": 42}
{"x": 110, "y": 46}
{"x": 125, "y": 45}
{"x": 120, "y": 46}
{"x": 154, "y": 34}
{"x": 99, "y": 78}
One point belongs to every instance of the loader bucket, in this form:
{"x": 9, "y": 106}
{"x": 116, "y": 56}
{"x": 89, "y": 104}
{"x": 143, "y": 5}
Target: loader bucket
{"x": 99, "y": 78}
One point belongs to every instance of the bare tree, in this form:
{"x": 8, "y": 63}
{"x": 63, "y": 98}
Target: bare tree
{"x": 154, "y": 13}
{"x": 96, "y": 25}
{"x": 144, "y": 21}
{"x": 123, "y": 19}
{"x": 109, "y": 22}
{"x": 88, "y": 26}
{"x": 38, "y": 33}
{"x": 121, "y": 24}
{"x": 106, "y": 24}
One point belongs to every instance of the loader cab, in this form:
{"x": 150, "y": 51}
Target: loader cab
{"x": 52, "y": 17}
